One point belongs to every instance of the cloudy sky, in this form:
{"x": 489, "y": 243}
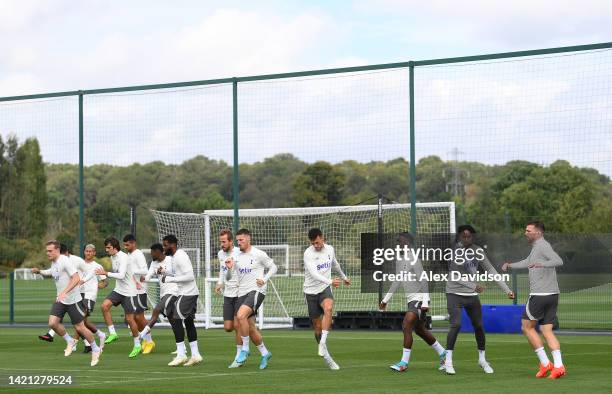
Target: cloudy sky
{"x": 58, "y": 45}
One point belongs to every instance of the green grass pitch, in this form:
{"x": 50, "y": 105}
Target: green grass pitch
{"x": 364, "y": 357}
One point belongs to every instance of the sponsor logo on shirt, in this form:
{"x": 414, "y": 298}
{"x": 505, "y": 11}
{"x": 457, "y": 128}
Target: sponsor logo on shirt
{"x": 323, "y": 266}
{"x": 245, "y": 270}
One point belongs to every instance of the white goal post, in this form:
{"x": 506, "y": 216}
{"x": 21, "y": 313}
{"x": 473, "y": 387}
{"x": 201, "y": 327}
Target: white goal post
{"x": 282, "y": 233}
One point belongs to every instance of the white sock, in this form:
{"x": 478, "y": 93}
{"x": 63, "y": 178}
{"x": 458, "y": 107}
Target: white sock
{"x": 262, "y": 349}
{"x": 94, "y": 348}
{"x": 111, "y": 330}
{"x": 144, "y": 332}
{"x": 67, "y": 338}
{"x": 542, "y": 356}
{"x": 245, "y": 343}
{"x": 180, "y": 349}
{"x": 438, "y": 348}
{"x": 406, "y": 355}
{"x": 51, "y": 333}
{"x": 238, "y": 349}
{"x": 101, "y": 334}
{"x": 194, "y": 348}
{"x": 148, "y": 337}
{"x": 481, "y": 356}
{"x": 449, "y": 357}
{"x": 324, "y": 335}
{"x": 86, "y": 342}
{"x": 136, "y": 341}
{"x": 557, "y": 358}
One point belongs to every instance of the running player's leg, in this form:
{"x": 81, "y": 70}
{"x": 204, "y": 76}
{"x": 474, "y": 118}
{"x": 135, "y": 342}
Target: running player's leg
{"x": 257, "y": 339}
{"x": 327, "y": 304}
{"x": 315, "y": 313}
{"x": 192, "y": 337}
{"x": 230, "y": 323}
{"x": 108, "y": 320}
{"x": 56, "y": 325}
{"x": 408, "y": 324}
{"x": 555, "y": 349}
{"x": 179, "y": 338}
{"x": 473, "y": 308}
{"x": 529, "y": 330}
{"x": 129, "y": 308}
{"x": 317, "y": 325}
{"x": 454, "y": 306}
{"x": 243, "y": 315}
{"x": 421, "y": 329}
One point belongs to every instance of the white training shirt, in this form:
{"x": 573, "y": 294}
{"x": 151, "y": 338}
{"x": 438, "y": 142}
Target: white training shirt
{"x": 88, "y": 275}
{"x": 164, "y": 287}
{"x": 139, "y": 269}
{"x": 317, "y": 268}
{"x": 249, "y": 266}
{"x": 61, "y": 271}
{"x": 181, "y": 273}
{"x": 122, "y": 271}
{"x": 230, "y": 286}
{"x": 417, "y": 290}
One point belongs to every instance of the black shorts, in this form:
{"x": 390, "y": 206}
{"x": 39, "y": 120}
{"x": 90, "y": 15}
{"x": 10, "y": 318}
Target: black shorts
{"x": 88, "y": 305}
{"x": 314, "y": 301}
{"x": 140, "y": 300}
{"x": 126, "y": 302}
{"x": 253, "y": 300}
{"x": 230, "y": 308}
{"x": 415, "y": 307}
{"x": 185, "y": 307}
{"x": 542, "y": 308}
{"x": 75, "y": 311}
{"x": 166, "y": 304}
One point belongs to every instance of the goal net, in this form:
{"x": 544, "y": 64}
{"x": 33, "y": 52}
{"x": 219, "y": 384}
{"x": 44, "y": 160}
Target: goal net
{"x": 282, "y": 233}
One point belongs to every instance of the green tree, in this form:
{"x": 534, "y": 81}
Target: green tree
{"x": 320, "y": 184}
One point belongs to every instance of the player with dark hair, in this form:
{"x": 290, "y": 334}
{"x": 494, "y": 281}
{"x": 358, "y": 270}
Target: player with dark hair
{"x": 319, "y": 259}
{"x": 168, "y": 292}
{"x": 463, "y": 294}
{"x": 417, "y": 298}
{"x": 249, "y": 267}
{"x": 123, "y": 294}
{"x": 138, "y": 263}
{"x": 68, "y": 300}
{"x": 541, "y": 307}
{"x": 181, "y": 273}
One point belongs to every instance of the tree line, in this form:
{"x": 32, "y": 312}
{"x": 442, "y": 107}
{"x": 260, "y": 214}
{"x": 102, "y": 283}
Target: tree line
{"x": 40, "y": 200}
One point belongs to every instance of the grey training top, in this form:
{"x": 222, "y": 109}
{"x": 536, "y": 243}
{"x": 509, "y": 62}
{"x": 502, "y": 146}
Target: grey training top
{"x": 462, "y": 287}
{"x": 543, "y": 280}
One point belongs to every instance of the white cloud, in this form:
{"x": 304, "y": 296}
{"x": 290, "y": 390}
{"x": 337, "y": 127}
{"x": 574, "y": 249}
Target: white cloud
{"x": 523, "y": 24}
{"x": 23, "y": 14}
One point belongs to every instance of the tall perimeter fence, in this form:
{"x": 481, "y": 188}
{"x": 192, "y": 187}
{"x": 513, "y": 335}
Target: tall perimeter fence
{"x": 499, "y": 135}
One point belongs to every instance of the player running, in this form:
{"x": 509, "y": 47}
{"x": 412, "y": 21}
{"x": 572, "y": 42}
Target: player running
{"x": 123, "y": 294}
{"x": 168, "y": 292}
{"x": 181, "y": 273}
{"x": 88, "y": 287}
{"x": 139, "y": 269}
{"x": 417, "y": 298}
{"x": 228, "y": 284}
{"x": 319, "y": 259}
{"x": 68, "y": 300}
{"x": 462, "y": 294}
{"x": 541, "y": 307}
{"x": 249, "y": 267}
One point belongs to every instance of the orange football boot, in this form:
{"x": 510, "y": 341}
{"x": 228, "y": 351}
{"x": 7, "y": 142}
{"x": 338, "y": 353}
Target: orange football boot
{"x": 544, "y": 369}
{"x": 557, "y": 372}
